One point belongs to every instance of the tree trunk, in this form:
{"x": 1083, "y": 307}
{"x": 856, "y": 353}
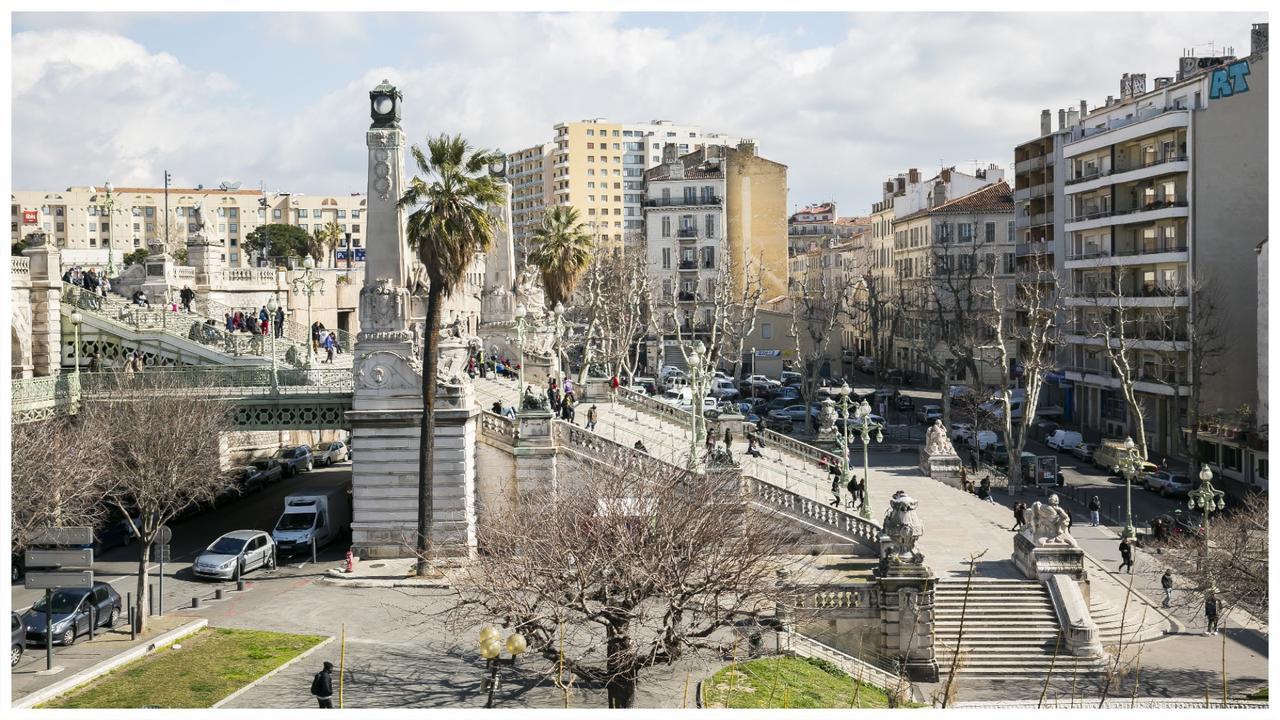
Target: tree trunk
{"x": 622, "y": 671}
{"x": 140, "y": 597}
{"x": 427, "y": 437}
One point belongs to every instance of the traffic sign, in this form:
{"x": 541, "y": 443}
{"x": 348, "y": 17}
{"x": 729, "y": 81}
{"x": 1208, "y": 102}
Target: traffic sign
{"x": 164, "y": 535}
{"x": 160, "y": 553}
{"x": 78, "y": 558}
{"x": 55, "y": 580}
{"x": 64, "y": 536}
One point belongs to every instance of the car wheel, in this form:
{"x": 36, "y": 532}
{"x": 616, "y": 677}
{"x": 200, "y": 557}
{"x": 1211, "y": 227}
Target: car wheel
{"x": 14, "y": 573}
{"x": 271, "y": 562}
{"x": 68, "y": 636}
{"x": 309, "y": 466}
{"x": 1164, "y": 492}
{"x": 114, "y": 617}
{"x": 15, "y": 654}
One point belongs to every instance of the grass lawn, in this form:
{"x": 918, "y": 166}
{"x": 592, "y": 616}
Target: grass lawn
{"x": 789, "y": 682}
{"x": 211, "y": 665}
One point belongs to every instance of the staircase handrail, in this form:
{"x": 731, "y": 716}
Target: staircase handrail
{"x": 834, "y": 519}
{"x": 295, "y": 331}
{"x": 249, "y": 380}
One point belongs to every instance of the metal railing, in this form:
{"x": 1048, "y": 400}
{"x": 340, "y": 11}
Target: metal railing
{"x": 1119, "y": 170}
{"x": 250, "y": 380}
{"x": 295, "y": 331}
{"x": 1033, "y": 248}
{"x": 683, "y": 201}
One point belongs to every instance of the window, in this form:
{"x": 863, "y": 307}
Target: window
{"x": 302, "y": 212}
{"x": 943, "y": 233}
{"x": 342, "y": 214}
{"x": 666, "y": 258}
{"x": 304, "y": 226}
{"x": 355, "y": 228}
{"x": 690, "y": 195}
{"x": 710, "y": 225}
{"x": 235, "y": 227}
{"x": 61, "y": 227}
{"x": 616, "y": 146}
{"x": 591, "y": 146}
{"x": 708, "y": 257}
{"x": 137, "y": 212}
{"x": 591, "y": 132}
{"x": 57, "y": 212}
{"x": 106, "y": 227}
{"x": 355, "y": 215}
{"x": 766, "y": 331}
{"x": 666, "y": 226}
{"x": 991, "y": 232}
{"x": 275, "y": 214}
{"x": 222, "y": 212}
{"x": 222, "y": 227}
{"x": 965, "y": 233}
{"x": 191, "y": 227}
{"x": 1010, "y": 231}
{"x": 1008, "y": 263}
{"x": 1231, "y": 458}
{"x": 93, "y": 211}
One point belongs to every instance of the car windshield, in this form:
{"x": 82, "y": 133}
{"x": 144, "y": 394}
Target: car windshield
{"x": 227, "y": 546}
{"x": 262, "y": 464}
{"x": 63, "y": 602}
{"x": 296, "y": 521}
{"x": 324, "y": 446}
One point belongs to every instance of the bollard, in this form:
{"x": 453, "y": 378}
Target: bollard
{"x": 151, "y": 599}
{"x": 93, "y": 622}
{"x": 133, "y": 625}
{"x": 240, "y": 585}
{"x": 217, "y": 594}
{"x": 195, "y": 602}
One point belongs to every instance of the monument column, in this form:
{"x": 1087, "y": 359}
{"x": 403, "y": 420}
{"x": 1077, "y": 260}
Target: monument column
{"x": 46, "y": 305}
{"x": 386, "y": 406}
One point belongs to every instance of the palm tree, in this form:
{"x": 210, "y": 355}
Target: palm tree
{"x": 562, "y": 252}
{"x": 328, "y": 238}
{"x": 449, "y": 225}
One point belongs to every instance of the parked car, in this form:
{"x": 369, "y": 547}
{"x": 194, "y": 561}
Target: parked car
{"x": 1084, "y": 451}
{"x": 259, "y": 473}
{"x": 961, "y": 432}
{"x": 790, "y": 393}
{"x": 669, "y": 371}
{"x": 865, "y": 364}
{"x": 903, "y": 402}
{"x": 1042, "y": 429}
{"x": 724, "y": 389}
{"x": 984, "y": 439}
{"x": 328, "y": 453}
{"x": 234, "y": 554}
{"x": 928, "y": 413}
{"x": 791, "y": 378}
{"x": 638, "y": 389}
{"x": 793, "y": 414}
{"x": 294, "y": 460}
{"x": 997, "y": 453}
{"x": 1167, "y": 483}
{"x": 1063, "y": 440}
{"x": 855, "y": 424}
{"x": 17, "y": 639}
{"x": 758, "y": 385}
{"x": 1179, "y": 522}
{"x": 118, "y": 532}
{"x": 72, "y": 610}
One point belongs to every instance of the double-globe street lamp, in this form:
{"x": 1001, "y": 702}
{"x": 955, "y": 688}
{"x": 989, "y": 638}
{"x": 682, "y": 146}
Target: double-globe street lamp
{"x": 864, "y": 426}
{"x": 1128, "y": 465}
{"x": 308, "y": 284}
{"x": 272, "y": 306}
{"x": 521, "y": 325}
{"x": 491, "y": 650}
{"x": 76, "y": 319}
{"x": 1207, "y": 498}
{"x": 696, "y": 375}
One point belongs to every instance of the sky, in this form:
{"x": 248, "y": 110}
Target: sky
{"x": 844, "y": 100}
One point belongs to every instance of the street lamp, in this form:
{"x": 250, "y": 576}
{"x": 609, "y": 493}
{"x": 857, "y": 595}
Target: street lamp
{"x": 272, "y": 306}
{"x": 558, "y": 312}
{"x": 753, "y": 373}
{"x": 309, "y": 284}
{"x": 864, "y": 425}
{"x": 109, "y": 205}
{"x": 696, "y": 436}
{"x": 491, "y": 650}
{"x": 76, "y": 319}
{"x": 1207, "y": 498}
{"x": 521, "y": 313}
{"x": 1128, "y": 465}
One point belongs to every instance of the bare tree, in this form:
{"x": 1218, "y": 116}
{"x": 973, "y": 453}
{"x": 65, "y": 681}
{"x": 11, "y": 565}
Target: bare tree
{"x": 817, "y": 306}
{"x": 159, "y": 442}
{"x": 614, "y": 306}
{"x": 1238, "y": 559}
{"x": 57, "y": 479}
{"x": 881, "y": 312}
{"x": 1030, "y": 339}
{"x": 1118, "y": 324}
{"x": 645, "y": 560}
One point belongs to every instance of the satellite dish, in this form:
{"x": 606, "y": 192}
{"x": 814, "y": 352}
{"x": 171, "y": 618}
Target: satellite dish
{"x": 226, "y": 186}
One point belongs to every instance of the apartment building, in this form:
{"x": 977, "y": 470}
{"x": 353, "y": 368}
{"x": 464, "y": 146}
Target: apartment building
{"x": 815, "y": 225}
{"x": 96, "y": 228}
{"x": 939, "y": 248}
{"x": 597, "y": 166}
{"x": 703, "y": 207}
{"x": 1166, "y": 200}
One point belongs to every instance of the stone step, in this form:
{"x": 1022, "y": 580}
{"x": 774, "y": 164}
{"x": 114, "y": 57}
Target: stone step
{"x": 984, "y": 621}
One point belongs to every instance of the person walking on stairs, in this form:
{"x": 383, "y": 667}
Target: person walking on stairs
{"x": 1210, "y": 614}
{"x": 1166, "y": 582}
{"x": 1126, "y": 555}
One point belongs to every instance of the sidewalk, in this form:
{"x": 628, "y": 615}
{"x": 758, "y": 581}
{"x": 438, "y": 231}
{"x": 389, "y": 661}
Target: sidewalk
{"x": 85, "y": 654}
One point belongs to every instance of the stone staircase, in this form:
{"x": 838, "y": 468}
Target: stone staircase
{"x": 1010, "y": 630}
{"x": 1137, "y": 628}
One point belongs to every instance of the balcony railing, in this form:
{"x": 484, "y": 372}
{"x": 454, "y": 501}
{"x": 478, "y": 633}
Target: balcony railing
{"x": 1092, "y": 253}
{"x": 688, "y": 264}
{"x": 687, "y": 233}
{"x": 1157, "y": 333}
{"x": 683, "y": 296}
{"x": 1157, "y": 205}
{"x": 1148, "y": 291}
{"x": 1080, "y": 133}
{"x": 683, "y": 201}
{"x": 1033, "y": 248}
{"x": 1127, "y": 168}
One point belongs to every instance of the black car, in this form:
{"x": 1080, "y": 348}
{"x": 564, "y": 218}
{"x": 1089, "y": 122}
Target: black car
{"x": 116, "y": 533}
{"x": 904, "y": 402}
{"x": 74, "y": 609}
{"x": 1179, "y": 522}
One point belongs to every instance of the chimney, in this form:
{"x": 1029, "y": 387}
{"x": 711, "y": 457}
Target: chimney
{"x": 1258, "y": 38}
{"x": 913, "y": 176}
{"x": 946, "y": 175}
{"x": 1062, "y": 119}
{"x": 1163, "y": 82}
{"x": 1073, "y": 117}
{"x": 1139, "y": 81}
{"x": 888, "y": 187}
{"x": 669, "y": 153}
{"x": 1084, "y": 109}
{"x": 1110, "y": 99}
{"x": 746, "y": 147}
{"x": 1046, "y": 122}
{"x": 902, "y": 184}
{"x": 939, "y": 194}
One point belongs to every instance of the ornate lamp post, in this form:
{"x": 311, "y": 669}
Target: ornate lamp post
{"x": 309, "y": 284}
{"x": 1207, "y": 498}
{"x": 521, "y": 313}
{"x": 1128, "y": 465}
{"x": 864, "y": 425}
{"x": 76, "y": 319}
{"x": 491, "y": 651}
{"x": 696, "y": 435}
{"x": 558, "y": 313}
{"x": 272, "y": 306}
{"x": 109, "y": 207}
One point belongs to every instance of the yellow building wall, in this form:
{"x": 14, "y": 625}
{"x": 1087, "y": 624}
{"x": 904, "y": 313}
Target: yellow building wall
{"x": 756, "y": 217}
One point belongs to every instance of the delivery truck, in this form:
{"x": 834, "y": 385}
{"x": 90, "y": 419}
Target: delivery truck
{"x": 319, "y": 516}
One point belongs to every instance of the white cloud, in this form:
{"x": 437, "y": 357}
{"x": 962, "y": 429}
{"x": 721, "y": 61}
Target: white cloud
{"x": 843, "y": 112}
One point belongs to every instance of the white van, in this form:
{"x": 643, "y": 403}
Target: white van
{"x": 1062, "y": 440}
{"x": 676, "y": 396}
{"x": 724, "y": 389}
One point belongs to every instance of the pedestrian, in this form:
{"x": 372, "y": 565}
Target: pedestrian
{"x": 1095, "y": 506}
{"x": 497, "y": 407}
{"x": 613, "y": 387}
{"x": 1019, "y": 516}
{"x": 728, "y": 438}
{"x": 835, "y": 486}
{"x": 964, "y": 476}
{"x": 567, "y": 385}
{"x": 640, "y": 446}
{"x": 229, "y": 321}
{"x": 553, "y": 395}
{"x": 1158, "y": 534}
{"x": 279, "y": 321}
{"x": 330, "y": 346}
{"x": 1126, "y": 555}
{"x": 187, "y": 295}
{"x": 752, "y": 445}
{"x": 1166, "y": 582}
{"x": 591, "y": 417}
{"x": 710, "y": 443}
{"x": 984, "y": 491}
{"x": 1210, "y": 614}
{"x": 570, "y": 407}
{"x": 855, "y": 490}
{"x": 322, "y": 686}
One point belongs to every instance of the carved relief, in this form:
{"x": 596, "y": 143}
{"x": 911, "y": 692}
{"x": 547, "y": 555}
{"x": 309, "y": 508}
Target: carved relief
{"x": 385, "y": 370}
{"x": 383, "y": 307}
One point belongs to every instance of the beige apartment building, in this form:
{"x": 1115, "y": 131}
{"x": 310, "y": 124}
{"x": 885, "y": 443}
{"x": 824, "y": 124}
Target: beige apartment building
{"x": 703, "y": 207}
{"x": 597, "y": 166}
{"x": 96, "y": 228}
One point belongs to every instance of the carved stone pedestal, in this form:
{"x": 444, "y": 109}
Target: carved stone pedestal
{"x": 906, "y": 619}
{"x": 535, "y": 452}
{"x": 945, "y": 468}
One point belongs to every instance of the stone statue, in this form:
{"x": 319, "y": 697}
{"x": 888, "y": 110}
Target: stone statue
{"x": 827, "y": 416}
{"x": 452, "y": 367}
{"x": 418, "y": 283}
{"x": 528, "y": 292}
{"x": 532, "y": 400}
{"x": 902, "y": 528}
{"x": 1049, "y": 524}
{"x": 936, "y": 441}
{"x": 197, "y": 214}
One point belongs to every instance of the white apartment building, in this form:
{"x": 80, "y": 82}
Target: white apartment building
{"x": 94, "y": 228}
{"x": 1165, "y": 202}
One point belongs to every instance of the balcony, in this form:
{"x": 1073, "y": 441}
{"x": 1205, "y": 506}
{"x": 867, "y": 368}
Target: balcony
{"x": 1033, "y": 248}
{"x": 1088, "y": 139}
{"x": 1030, "y": 164}
{"x": 684, "y": 296}
{"x": 687, "y": 233}
{"x": 1128, "y": 173}
{"x": 1044, "y": 218}
{"x": 688, "y": 265}
{"x": 682, "y": 201}
{"x": 1149, "y": 212}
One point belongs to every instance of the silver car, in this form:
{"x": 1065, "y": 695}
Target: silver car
{"x": 328, "y": 453}
{"x": 236, "y": 553}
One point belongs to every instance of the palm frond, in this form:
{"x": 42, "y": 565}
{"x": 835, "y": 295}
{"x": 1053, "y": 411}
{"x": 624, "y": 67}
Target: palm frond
{"x": 562, "y": 252}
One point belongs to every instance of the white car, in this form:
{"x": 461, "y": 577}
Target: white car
{"x": 638, "y": 389}
{"x": 669, "y": 371}
{"x": 328, "y": 453}
{"x": 961, "y": 432}
{"x": 709, "y": 403}
{"x": 984, "y": 439}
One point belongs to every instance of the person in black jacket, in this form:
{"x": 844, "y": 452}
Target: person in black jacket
{"x": 1126, "y": 555}
{"x": 322, "y": 686}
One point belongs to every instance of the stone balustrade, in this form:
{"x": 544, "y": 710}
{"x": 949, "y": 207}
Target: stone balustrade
{"x": 20, "y": 270}
{"x": 654, "y": 406}
{"x": 844, "y": 597}
{"x": 498, "y": 427}
{"x": 805, "y": 451}
{"x": 882, "y": 673}
{"x": 865, "y": 532}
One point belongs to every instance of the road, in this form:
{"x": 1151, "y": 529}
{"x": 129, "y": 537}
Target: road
{"x": 259, "y": 511}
